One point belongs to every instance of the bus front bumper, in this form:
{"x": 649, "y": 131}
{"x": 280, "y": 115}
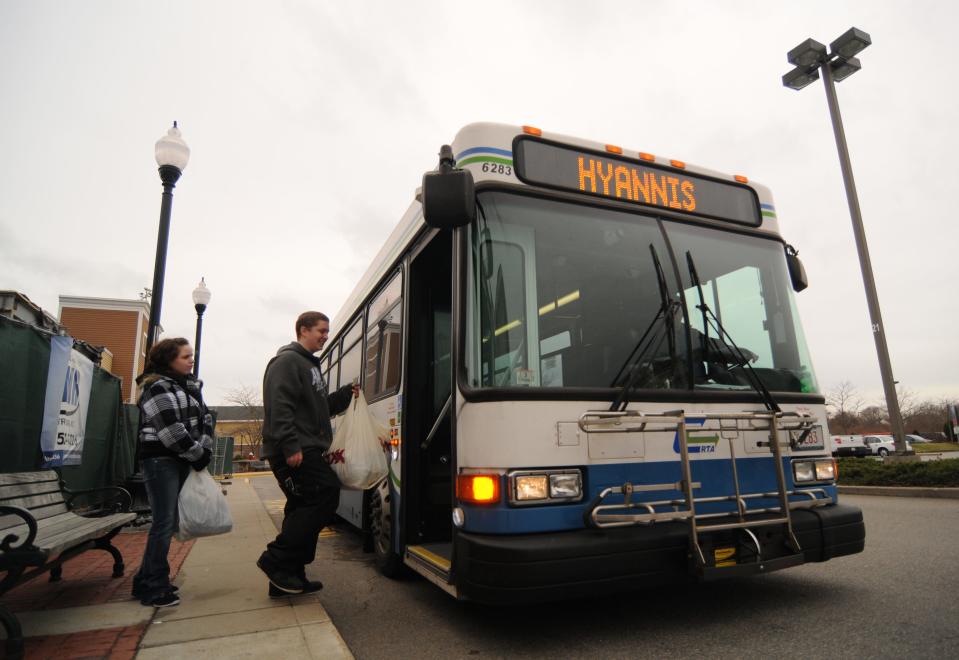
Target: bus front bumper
{"x": 590, "y": 562}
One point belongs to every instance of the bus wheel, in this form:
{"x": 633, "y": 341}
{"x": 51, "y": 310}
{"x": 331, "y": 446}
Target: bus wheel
{"x": 381, "y": 529}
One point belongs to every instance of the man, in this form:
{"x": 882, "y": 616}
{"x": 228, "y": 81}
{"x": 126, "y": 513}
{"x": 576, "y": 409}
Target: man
{"x": 296, "y": 433}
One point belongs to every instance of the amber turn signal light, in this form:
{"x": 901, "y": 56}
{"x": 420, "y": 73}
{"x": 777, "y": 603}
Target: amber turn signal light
{"x": 477, "y": 488}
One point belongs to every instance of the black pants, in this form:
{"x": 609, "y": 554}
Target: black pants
{"x": 312, "y": 495}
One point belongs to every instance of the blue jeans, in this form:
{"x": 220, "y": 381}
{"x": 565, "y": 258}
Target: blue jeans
{"x": 163, "y": 476}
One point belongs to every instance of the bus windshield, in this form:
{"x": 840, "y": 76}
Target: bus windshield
{"x": 577, "y": 296}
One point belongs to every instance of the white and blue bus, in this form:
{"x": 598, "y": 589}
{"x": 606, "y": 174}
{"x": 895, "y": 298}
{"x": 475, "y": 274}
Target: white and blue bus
{"x": 594, "y": 374}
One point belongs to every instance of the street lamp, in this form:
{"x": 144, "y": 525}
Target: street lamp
{"x": 172, "y": 155}
{"x": 201, "y": 298}
{"x": 810, "y": 58}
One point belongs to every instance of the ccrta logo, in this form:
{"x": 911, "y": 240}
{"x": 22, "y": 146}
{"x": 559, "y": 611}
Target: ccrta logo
{"x": 697, "y": 443}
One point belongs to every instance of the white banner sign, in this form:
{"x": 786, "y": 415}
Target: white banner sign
{"x": 69, "y": 380}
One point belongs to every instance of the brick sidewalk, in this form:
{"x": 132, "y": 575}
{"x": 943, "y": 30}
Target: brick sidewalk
{"x": 86, "y": 581}
{"x": 112, "y": 643}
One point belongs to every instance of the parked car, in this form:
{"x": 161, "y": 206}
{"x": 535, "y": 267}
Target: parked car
{"x": 916, "y": 439}
{"x": 849, "y": 445}
{"x": 883, "y": 445}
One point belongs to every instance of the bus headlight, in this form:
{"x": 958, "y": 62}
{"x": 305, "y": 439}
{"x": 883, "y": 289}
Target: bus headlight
{"x": 531, "y": 487}
{"x": 566, "y": 485}
{"x": 826, "y": 470}
{"x": 818, "y": 470}
{"x": 804, "y": 471}
{"x": 545, "y": 486}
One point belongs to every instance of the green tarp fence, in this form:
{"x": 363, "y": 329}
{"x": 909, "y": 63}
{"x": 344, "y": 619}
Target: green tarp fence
{"x": 110, "y": 435}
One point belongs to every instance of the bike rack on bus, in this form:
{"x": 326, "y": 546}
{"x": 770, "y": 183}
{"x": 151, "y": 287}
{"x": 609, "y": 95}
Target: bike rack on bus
{"x": 631, "y": 421}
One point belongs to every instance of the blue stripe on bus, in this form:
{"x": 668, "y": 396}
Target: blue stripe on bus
{"x": 769, "y": 207}
{"x": 755, "y": 475}
{"x": 485, "y": 150}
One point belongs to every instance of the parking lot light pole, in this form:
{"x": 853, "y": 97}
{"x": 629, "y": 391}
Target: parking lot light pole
{"x": 201, "y": 298}
{"x": 810, "y": 58}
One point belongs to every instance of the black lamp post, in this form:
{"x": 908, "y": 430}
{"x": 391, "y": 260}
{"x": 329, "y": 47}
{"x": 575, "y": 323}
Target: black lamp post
{"x": 201, "y": 298}
{"x": 810, "y": 58}
{"x": 172, "y": 155}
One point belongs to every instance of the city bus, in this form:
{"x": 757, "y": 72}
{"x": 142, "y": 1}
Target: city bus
{"x": 594, "y": 376}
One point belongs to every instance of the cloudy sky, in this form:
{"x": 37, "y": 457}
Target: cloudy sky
{"x": 312, "y": 122}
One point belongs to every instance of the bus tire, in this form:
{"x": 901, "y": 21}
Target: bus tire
{"x": 381, "y": 531}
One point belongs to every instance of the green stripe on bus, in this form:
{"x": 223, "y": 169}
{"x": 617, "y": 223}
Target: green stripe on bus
{"x": 485, "y": 159}
{"x": 769, "y": 214}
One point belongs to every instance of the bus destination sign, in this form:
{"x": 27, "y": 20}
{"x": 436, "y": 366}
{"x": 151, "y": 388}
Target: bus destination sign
{"x": 629, "y": 180}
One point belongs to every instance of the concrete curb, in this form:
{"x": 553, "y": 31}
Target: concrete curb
{"x": 901, "y": 491}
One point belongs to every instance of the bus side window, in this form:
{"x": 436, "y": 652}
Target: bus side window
{"x": 351, "y": 362}
{"x": 383, "y": 341}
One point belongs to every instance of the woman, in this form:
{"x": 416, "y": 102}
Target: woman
{"x": 176, "y": 433}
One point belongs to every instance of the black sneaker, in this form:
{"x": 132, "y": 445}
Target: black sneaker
{"x": 164, "y": 600}
{"x": 138, "y": 595}
{"x": 311, "y": 586}
{"x": 285, "y": 581}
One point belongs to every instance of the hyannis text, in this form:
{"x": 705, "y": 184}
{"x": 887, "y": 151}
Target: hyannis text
{"x": 635, "y": 184}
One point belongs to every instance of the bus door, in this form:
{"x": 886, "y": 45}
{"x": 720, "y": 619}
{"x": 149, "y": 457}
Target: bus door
{"x": 427, "y": 479}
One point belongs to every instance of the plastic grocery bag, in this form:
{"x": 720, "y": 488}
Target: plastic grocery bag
{"x": 356, "y": 454}
{"x": 202, "y": 507}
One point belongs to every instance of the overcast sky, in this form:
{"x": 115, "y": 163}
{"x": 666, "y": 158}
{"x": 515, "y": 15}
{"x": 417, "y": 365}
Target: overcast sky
{"x": 311, "y": 124}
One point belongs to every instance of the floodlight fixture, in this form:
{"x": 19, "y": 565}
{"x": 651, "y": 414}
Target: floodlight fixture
{"x": 800, "y": 77}
{"x": 808, "y": 53}
{"x": 843, "y": 67}
{"x": 850, "y": 43}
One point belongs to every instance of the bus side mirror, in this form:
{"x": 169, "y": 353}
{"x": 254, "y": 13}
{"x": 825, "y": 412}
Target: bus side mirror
{"x": 797, "y": 273}
{"x": 449, "y": 197}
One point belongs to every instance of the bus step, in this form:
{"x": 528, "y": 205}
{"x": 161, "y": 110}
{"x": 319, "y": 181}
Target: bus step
{"x": 432, "y": 561}
{"x": 709, "y": 573}
{"x": 435, "y": 555}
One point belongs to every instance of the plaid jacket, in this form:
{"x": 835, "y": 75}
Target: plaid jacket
{"x": 173, "y": 422}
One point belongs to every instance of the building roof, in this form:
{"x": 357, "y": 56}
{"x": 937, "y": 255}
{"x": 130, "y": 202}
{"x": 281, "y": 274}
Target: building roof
{"x": 238, "y": 413}
{"x": 18, "y": 306}
{"x": 88, "y": 302}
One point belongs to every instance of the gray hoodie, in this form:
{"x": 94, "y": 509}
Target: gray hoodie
{"x": 296, "y": 403}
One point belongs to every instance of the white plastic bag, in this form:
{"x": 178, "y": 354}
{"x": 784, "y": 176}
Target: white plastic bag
{"x": 202, "y": 507}
{"x": 356, "y": 454}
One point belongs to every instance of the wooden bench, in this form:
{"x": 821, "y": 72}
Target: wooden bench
{"x": 39, "y": 531}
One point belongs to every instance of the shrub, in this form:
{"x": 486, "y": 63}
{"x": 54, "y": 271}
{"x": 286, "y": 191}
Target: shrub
{"x": 867, "y": 472}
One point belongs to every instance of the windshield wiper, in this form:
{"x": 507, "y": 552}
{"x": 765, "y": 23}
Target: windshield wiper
{"x": 667, "y": 312}
{"x": 486, "y": 295}
{"x": 742, "y": 360}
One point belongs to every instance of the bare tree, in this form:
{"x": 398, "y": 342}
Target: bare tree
{"x": 909, "y": 403}
{"x": 873, "y": 419}
{"x": 845, "y": 404}
{"x": 250, "y": 429}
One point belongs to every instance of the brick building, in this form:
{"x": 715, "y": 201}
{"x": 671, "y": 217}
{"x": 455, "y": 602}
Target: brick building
{"x": 119, "y": 325}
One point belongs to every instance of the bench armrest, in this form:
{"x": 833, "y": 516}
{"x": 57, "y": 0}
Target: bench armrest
{"x": 123, "y": 504}
{"x": 6, "y": 544}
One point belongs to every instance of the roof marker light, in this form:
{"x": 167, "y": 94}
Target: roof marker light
{"x": 613, "y": 149}
{"x": 532, "y": 130}
{"x": 678, "y": 164}
{"x": 741, "y": 178}
{"x": 645, "y": 156}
